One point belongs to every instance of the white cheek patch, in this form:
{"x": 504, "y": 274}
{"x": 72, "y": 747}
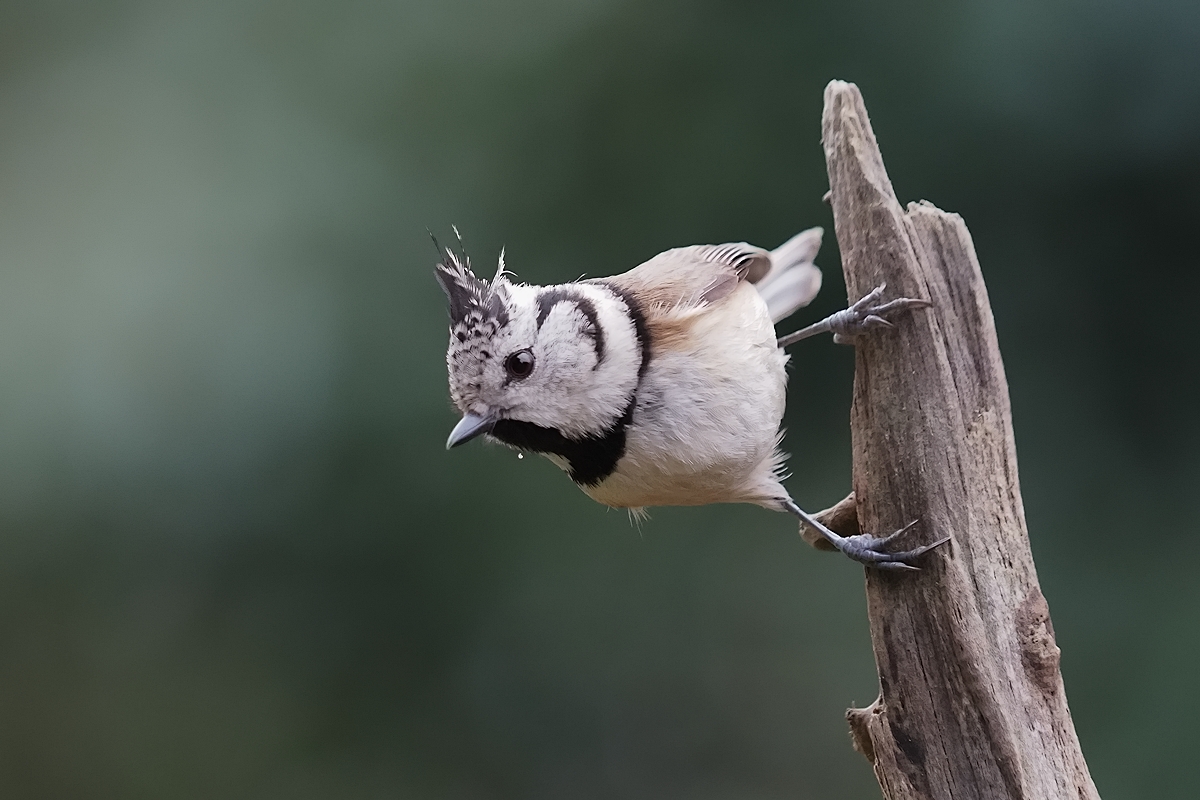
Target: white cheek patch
{"x": 565, "y": 343}
{"x": 587, "y": 358}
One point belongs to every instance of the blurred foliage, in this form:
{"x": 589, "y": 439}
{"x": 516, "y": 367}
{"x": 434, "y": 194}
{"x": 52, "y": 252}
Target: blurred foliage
{"x": 235, "y": 560}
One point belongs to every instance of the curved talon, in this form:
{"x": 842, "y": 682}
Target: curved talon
{"x": 900, "y": 304}
{"x": 895, "y": 535}
{"x": 873, "y": 321}
{"x": 869, "y": 297}
{"x": 920, "y": 551}
{"x": 897, "y": 565}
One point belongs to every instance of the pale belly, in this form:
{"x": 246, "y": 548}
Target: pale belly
{"x": 706, "y": 424}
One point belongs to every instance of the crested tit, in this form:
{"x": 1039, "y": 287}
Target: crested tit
{"x": 664, "y": 385}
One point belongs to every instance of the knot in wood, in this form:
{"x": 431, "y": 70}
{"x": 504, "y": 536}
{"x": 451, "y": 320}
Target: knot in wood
{"x": 1040, "y": 654}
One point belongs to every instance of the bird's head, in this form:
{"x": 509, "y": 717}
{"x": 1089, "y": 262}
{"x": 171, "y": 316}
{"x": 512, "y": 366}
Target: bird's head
{"x": 563, "y": 358}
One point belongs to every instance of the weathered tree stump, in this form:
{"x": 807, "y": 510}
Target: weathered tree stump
{"x": 971, "y": 700}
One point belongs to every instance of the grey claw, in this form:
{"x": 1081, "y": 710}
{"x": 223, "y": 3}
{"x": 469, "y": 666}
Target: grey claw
{"x": 873, "y": 321}
{"x": 896, "y": 565}
{"x": 891, "y": 537}
{"x": 908, "y": 555}
{"x": 869, "y": 298}
{"x": 901, "y": 304}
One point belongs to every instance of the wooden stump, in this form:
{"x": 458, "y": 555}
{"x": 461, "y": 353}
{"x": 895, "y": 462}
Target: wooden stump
{"x": 971, "y": 699}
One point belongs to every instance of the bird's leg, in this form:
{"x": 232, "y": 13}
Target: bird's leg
{"x": 865, "y": 548}
{"x": 841, "y": 518}
{"x": 866, "y": 315}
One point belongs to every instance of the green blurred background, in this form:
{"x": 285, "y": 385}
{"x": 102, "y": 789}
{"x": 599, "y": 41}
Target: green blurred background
{"x": 235, "y": 559}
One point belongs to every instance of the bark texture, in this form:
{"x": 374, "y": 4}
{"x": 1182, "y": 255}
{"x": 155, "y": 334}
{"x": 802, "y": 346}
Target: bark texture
{"x": 971, "y": 699}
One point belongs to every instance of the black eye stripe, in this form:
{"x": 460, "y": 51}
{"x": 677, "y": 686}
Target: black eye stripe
{"x": 550, "y": 298}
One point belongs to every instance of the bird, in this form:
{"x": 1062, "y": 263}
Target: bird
{"x": 661, "y": 386}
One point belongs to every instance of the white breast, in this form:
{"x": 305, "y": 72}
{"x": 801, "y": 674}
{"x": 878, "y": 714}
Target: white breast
{"x": 706, "y": 425}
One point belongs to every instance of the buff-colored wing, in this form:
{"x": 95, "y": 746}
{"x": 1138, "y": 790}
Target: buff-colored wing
{"x": 690, "y": 277}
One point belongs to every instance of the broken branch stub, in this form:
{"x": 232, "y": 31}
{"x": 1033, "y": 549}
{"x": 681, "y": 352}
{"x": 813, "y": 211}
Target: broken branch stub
{"x": 971, "y": 699}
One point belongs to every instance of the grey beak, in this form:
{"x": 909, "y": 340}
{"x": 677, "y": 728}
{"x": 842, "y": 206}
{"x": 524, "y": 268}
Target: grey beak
{"x": 470, "y": 426}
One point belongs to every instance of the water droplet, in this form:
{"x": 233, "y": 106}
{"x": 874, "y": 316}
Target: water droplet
{"x": 520, "y": 455}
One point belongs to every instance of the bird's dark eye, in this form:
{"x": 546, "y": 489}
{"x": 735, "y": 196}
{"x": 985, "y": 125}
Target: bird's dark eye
{"x": 519, "y": 364}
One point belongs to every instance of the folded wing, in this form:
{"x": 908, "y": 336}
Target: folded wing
{"x": 689, "y": 277}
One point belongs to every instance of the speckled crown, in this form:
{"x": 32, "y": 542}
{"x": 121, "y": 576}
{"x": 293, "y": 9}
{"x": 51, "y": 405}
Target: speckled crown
{"x": 478, "y": 310}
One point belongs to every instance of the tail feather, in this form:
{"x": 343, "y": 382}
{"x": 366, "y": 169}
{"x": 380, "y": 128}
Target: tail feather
{"x": 793, "y": 280}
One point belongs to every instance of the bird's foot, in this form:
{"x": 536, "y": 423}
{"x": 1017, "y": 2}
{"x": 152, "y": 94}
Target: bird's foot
{"x": 868, "y": 314}
{"x": 865, "y": 548}
{"x": 870, "y": 550}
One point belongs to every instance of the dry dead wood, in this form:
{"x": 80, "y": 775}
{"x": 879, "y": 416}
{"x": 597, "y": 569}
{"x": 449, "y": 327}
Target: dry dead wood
{"x": 971, "y": 699}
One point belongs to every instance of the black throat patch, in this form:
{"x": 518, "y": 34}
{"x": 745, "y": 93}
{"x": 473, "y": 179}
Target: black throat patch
{"x": 591, "y": 459}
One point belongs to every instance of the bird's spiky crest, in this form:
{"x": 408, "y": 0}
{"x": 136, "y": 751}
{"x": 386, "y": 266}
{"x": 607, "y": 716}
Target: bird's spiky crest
{"x": 472, "y": 300}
